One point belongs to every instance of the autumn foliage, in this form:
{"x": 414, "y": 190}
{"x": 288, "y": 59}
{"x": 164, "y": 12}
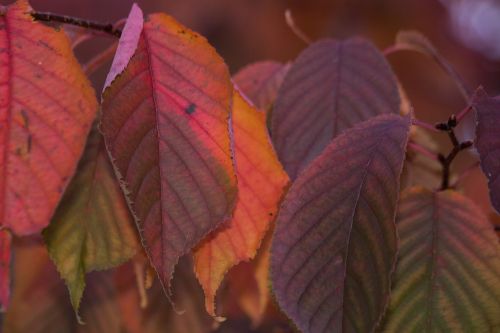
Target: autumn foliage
{"x": 300, "y": 191}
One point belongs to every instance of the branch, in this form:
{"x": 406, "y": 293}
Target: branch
{"x": 49, "y": 17}
{"x": 423, "y": 124}
{"x": 446, "y": 161}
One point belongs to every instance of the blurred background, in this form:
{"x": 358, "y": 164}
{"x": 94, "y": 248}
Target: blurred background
{"x": 466, "y": 32}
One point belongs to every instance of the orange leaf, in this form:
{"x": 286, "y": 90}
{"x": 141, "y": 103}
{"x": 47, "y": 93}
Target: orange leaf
{"x": 46, "y": 108}
{"x": 261, "y": 181}
{"x": 166, "y": 124}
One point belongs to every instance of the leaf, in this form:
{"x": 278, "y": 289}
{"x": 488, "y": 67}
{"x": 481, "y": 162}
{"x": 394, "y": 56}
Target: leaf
{"x": 165, "y": 123}
{"x": 414, "y": 41}
{"x": 488, "y": 141}
{"x": 92, "y": 228}
{"x": 46, "y": 109}
{"x": 261, "y": 183}
{"x": 334, "y": 247}
{"x": 5, "y": 258}
{"x": 331, "y": 86}
{"x": 260, "y": 82}
{"x": 448, "y": 273}
{"x": 419, "y": 169}
{"x": 127, "y": 44}
{"x": 249, "y": 283}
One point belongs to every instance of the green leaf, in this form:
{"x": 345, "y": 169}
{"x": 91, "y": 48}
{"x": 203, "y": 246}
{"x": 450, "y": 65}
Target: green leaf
{"x": 92, "y": 228}
{"x": 448, "y": 273}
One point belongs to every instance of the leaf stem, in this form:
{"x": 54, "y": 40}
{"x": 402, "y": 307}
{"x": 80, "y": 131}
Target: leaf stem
{"x": 296, "y": 30}
{"x": 463, "y": 113}
{"x": 423, "y": 124}
{"x": 50, "y": 17}
{"x": 422, "y": 150}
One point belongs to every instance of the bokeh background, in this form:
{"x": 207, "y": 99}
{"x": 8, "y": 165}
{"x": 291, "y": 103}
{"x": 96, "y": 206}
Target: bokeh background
{"x": 466, "y": 32}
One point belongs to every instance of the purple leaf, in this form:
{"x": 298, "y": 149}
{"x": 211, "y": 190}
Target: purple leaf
{"x": 331, "y": 86}
{"x": 488, "y": 141}
{"x": 127, "y": 44}
{"x": 334, "y": 248}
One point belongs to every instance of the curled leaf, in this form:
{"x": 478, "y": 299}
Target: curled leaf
{"x": 127, "y": 44}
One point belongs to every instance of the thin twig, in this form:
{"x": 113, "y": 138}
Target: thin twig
{"x": 49, "y": 17}
{"x": 425, "y": 125}
{"x": 446, "y": 161}
{"x": 422, "y": 150}
{"x": 296, "y": 30}
{"x": 100, "y": 59}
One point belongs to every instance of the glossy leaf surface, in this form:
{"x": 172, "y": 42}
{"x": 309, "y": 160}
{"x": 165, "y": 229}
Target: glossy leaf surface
{"x": 334, "y": 247}
{"x": 46, "y": 109}
{"x": 165, "y": 123}
{"x": 92, "y": 228}
{"x": 5, "y": 259}
{"x": 448, "y": 272}
{"x": 261, "y": 81}
{"x": 261, "y": 183}
{"x": 330, "y": 87}
{"x": 487, "y": 141}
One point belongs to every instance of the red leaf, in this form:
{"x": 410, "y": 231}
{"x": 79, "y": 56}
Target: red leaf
{"x": 261, "y": 81}
{"x": 334, "y": 248}
{"x": 331, "y": 86}
{"x": 488, "y": 141}
{"x": 165, "y": 123}
{"x": 5, "y": 257}
{"x": 46, "y": 108}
